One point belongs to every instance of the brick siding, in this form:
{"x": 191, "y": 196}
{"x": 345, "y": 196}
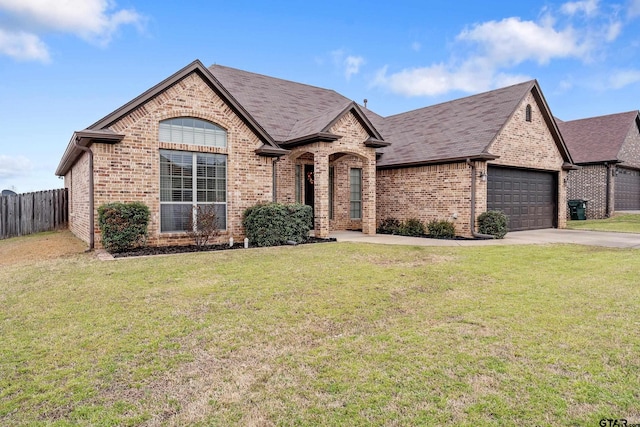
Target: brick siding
{"x": 630, "y": 151}
{"x": 530, "y": 145}
{"x": 130, "y": 170}
{"x": 347, "y": 152}
{"x": 428, "y": 193}
{"x": 77, "y": 181}
{"x": 590, "y": 183}
{"x": 444, "y": 191}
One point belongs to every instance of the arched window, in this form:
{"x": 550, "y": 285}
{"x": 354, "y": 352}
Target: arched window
{"x": 191, "y": 181}
{"x": 188, "y": 130}
{"x": 527, "y": 113}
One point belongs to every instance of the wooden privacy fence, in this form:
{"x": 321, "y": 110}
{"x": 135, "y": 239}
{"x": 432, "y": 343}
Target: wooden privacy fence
{"x": 28, "y": 213}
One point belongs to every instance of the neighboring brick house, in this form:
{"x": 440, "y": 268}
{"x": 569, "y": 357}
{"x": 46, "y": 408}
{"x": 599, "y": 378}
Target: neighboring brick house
{"x": 607, "y": 149}
{"x": 232, "y": 139}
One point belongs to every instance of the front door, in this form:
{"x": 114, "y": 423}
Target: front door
{"x": 308, "y": 185}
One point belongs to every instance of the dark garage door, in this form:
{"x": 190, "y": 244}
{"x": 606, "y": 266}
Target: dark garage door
{"x": 627, "y": 190}
{"x": 527, "y": 197}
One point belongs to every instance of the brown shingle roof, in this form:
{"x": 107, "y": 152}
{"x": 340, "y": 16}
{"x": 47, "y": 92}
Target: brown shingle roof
{"x": 597, "y": 139}
{"x": 461, "y": 128}
{"x": 285, "y": 109}
{"x": 290, "y": 111}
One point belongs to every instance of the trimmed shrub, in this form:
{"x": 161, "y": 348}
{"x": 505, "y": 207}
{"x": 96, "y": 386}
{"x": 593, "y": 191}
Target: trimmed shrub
{"x": 493, "y": 223}
{"x": 389, "y": 226}
{"x": 275, "y": 224}
{"x": 412, "y": 227}
{"x": 441, "y": 229}
{"x": 123, "y": 225}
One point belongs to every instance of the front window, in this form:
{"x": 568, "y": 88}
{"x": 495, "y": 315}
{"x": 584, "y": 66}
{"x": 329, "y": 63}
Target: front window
{"x": 298, "y": 183}
{"x": 355, "y": 180}
{"x": 188, "y": 180}
{"x": 331, "y": 185}
{"x": 187, "y": 130}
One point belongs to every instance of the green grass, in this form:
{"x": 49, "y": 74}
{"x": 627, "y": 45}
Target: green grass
{"x": 330, "y": 334}
{"x": 625, "y": 223}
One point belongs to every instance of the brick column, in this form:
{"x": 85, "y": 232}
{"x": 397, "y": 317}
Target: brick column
{"x": 369, "y": 196}
{"x": 321, "y": 193}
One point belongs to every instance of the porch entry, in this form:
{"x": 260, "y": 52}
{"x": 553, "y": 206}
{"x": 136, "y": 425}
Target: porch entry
{"x": 338, "y": 188}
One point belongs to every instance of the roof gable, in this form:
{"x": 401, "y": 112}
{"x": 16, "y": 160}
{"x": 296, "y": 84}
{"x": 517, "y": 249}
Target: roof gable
{"x": 454, "y": 129}
{"x": 73, "y": 152}
{"x": 287, "y": 110}
{"x": 195, "y": 67}
{"x": 292, "y": 113}
{"x": 458, "y": 129}
{"x": 598, "y": 139}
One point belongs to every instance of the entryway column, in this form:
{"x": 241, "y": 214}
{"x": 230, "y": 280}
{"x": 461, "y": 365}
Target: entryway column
{"x": 321, "y": 194}
{"x": 369, "y": 196}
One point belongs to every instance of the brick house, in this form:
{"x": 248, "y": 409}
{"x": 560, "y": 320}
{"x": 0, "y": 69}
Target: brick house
{"x": 230, "y": 138}
{"x": 607, "y": 149}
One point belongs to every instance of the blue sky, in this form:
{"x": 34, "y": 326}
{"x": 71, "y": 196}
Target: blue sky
{"x": 66, "y": 64}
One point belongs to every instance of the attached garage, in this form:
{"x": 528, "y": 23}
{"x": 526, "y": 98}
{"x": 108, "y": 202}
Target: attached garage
{"x": 528, "y": 197}
{"x": 627, "y": 192}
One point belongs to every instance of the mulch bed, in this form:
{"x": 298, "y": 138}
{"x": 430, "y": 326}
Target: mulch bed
{"x": 165, "y": 250}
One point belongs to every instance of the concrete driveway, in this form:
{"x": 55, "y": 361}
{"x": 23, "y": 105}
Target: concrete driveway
{"x": 546, "y": 236}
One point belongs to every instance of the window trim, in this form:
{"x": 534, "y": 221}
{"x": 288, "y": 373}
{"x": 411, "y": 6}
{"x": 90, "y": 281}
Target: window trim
{"x": 194, "y": 187}
{"x": 298, "y": 179}
{"x": 217, "y": 135}
{"x": 352, "y": 201}
{"x": 332, "y": 173}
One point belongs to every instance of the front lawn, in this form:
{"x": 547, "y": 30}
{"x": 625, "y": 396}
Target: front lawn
{"x": 331, "y": 334}
{"x": 625, "y": 223}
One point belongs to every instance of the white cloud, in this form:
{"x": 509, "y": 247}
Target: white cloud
{"x": 23, "y": 46}
{"x": 494, "y": 48}
{"x": 512, "y": 41}
{"x": 14, "y": 166}
{"x": 620, "y": 79}
{"x": 439, "y": 79}
{"x": 634, "y": 8}
{"x": 416, "y": 46}
{"x": 93, "y": 20}
{"x": 352, "y": 65}
{"x": 588, "y": 7}
{"x": 500, "y": 44}
{"x": 565, "y": 85}
{"x": 613, "y": 31}
{"x": 348, "y": 64}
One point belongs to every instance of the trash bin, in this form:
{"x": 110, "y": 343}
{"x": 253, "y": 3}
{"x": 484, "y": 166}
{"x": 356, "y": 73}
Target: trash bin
{"x": 578, "y": 209}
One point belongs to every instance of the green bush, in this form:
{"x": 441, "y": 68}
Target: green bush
{"x": 493, "y": 223}
{"x": 441, "y": 229}
{"x": 274, "y": 224}
{"x": 412, "y": 227}
{"x": 389, "y": 226}
{"x": 123, "y": 225}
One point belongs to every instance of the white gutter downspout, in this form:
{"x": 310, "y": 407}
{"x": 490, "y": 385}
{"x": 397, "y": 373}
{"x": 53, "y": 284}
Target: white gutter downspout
{"x": 472, "y": 222}
{"x": 91, "y": 198}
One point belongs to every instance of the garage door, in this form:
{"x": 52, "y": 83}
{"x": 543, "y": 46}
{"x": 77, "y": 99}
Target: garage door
{"x": 627, "y": 190}
{"x": 527, "y": 197}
